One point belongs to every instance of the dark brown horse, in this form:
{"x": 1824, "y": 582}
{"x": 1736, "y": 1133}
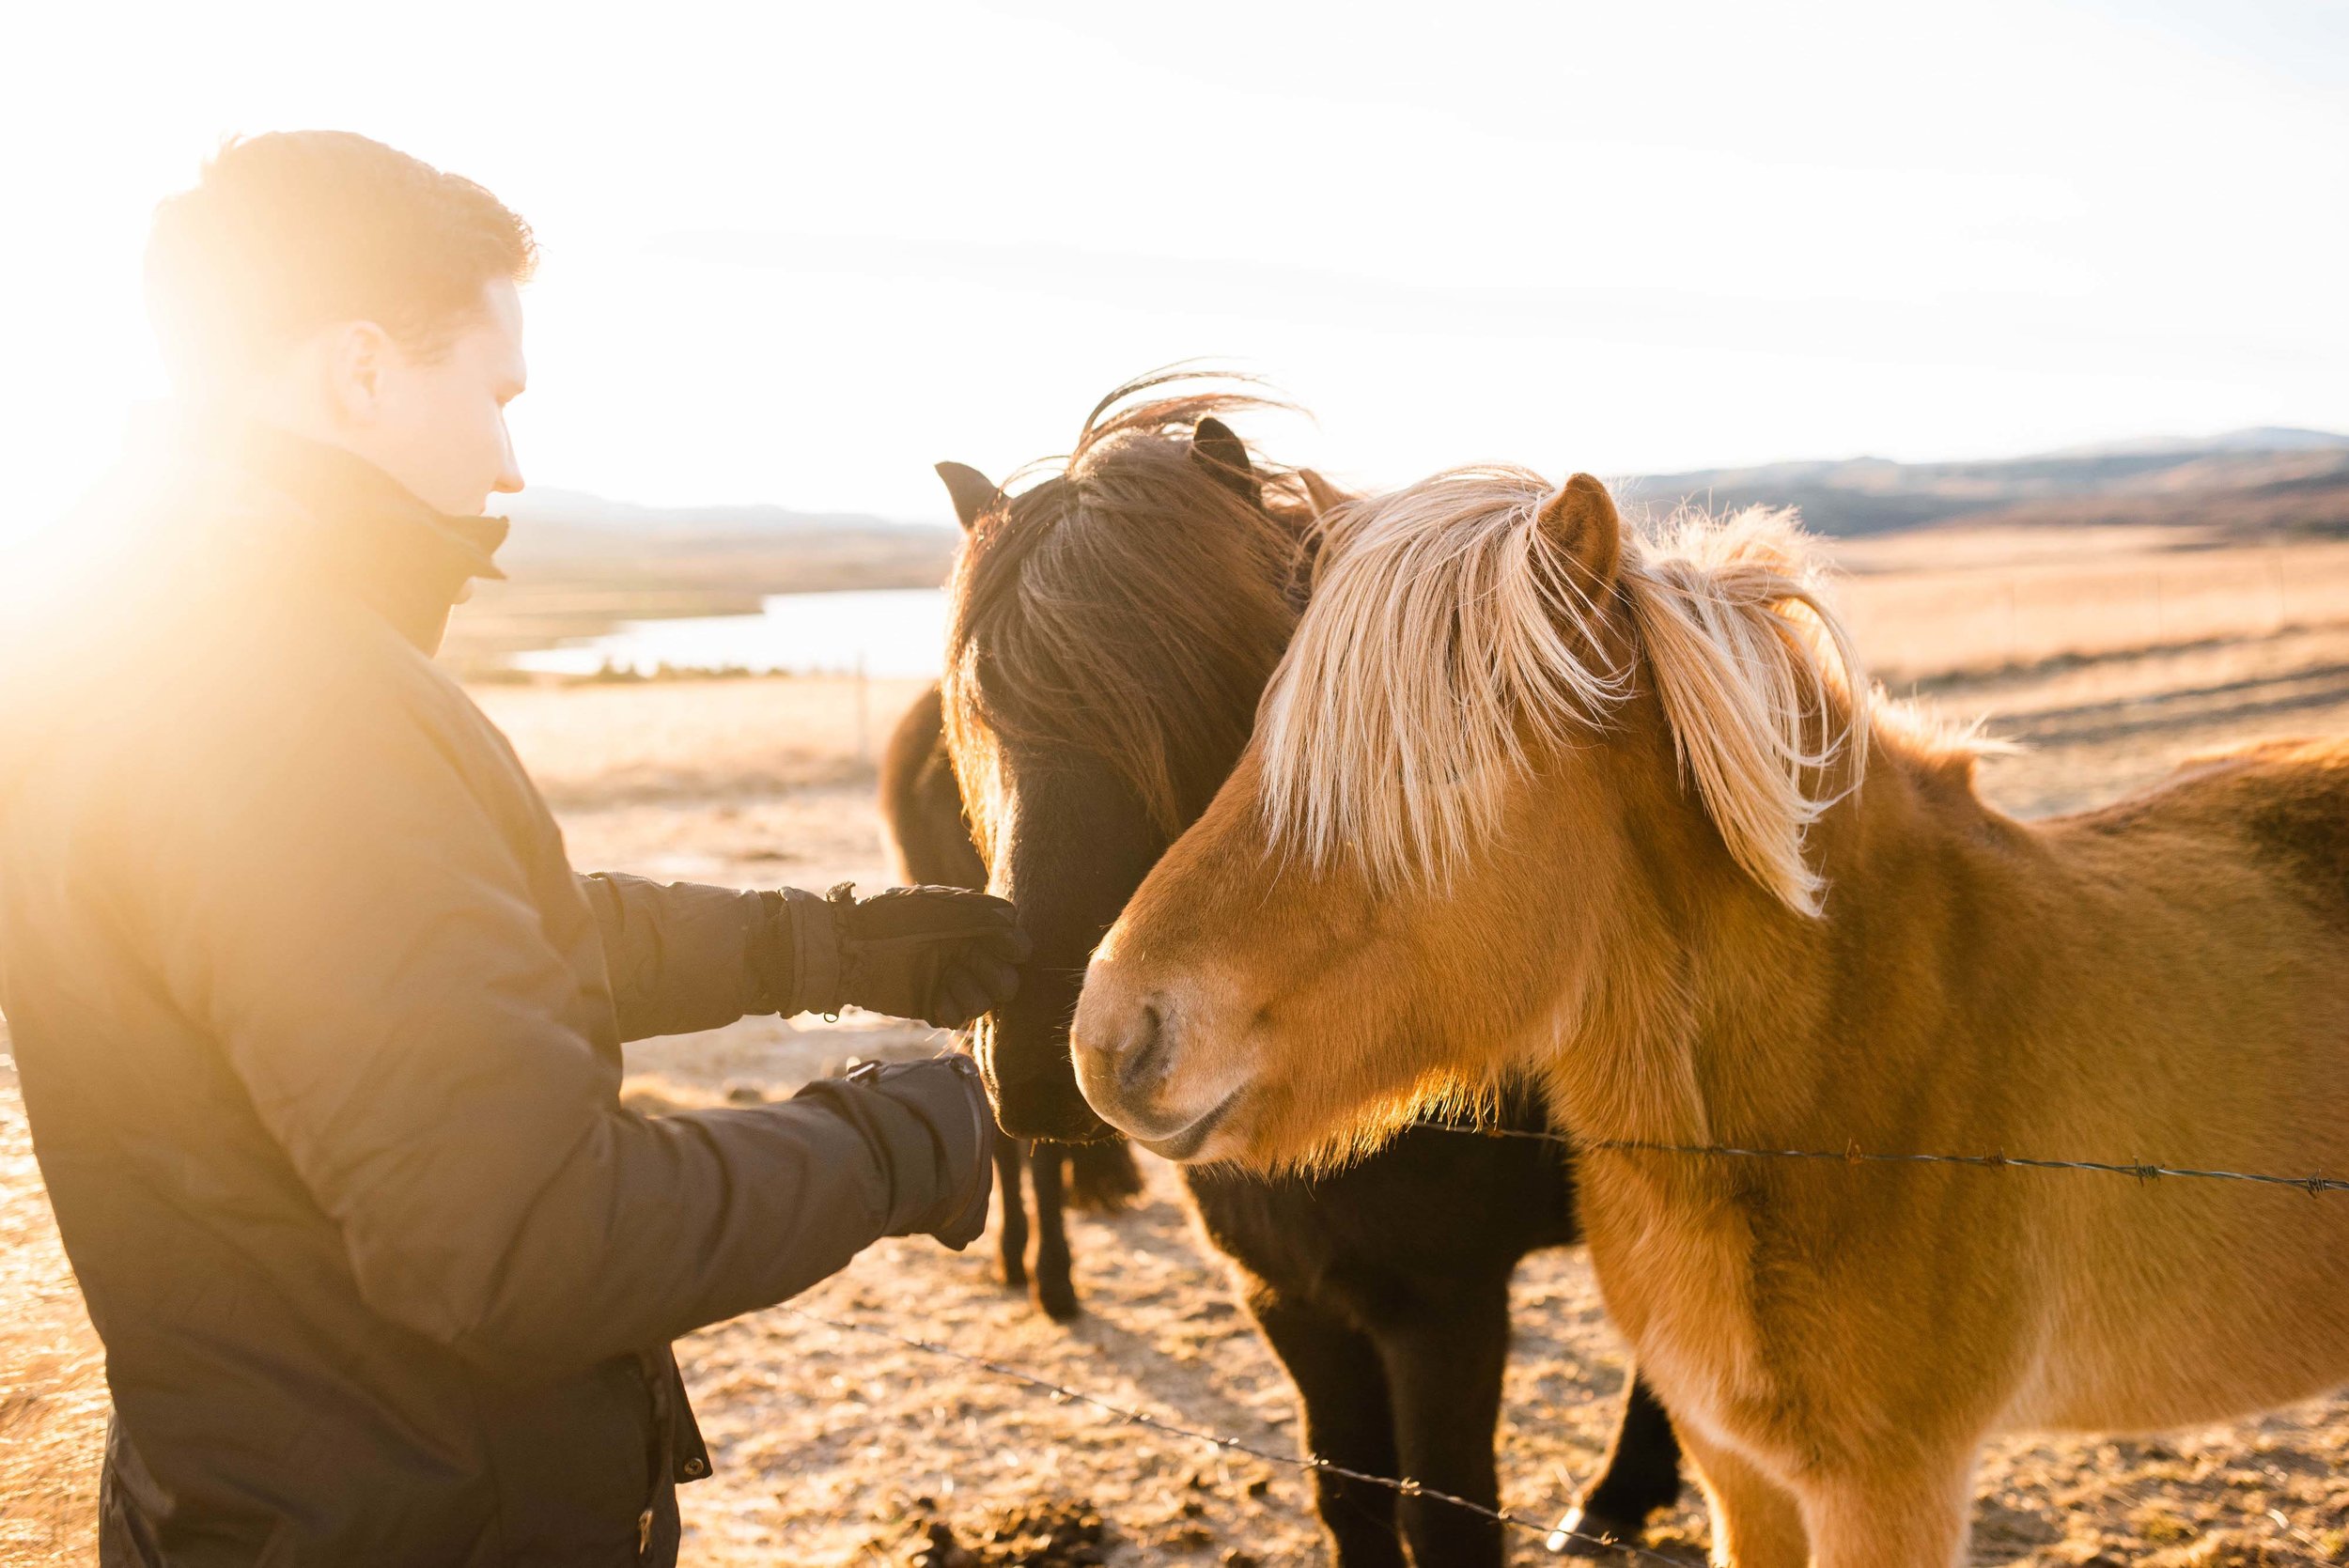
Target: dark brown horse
{"x": 1115, "y": 625}
{"x": 923, "y": 810}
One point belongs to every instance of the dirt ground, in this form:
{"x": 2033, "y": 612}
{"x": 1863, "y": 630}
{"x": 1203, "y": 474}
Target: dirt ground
{"x": 836, "y": 1448}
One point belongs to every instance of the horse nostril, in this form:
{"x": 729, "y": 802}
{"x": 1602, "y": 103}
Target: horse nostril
{"x": 1143, "y": 1050}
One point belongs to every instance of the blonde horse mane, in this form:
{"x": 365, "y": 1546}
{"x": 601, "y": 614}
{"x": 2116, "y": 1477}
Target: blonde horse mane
{"x": 1448, "y": 633}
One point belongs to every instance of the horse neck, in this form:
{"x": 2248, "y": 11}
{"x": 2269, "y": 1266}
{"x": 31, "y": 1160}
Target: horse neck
{"x": 1711, "y": 1007}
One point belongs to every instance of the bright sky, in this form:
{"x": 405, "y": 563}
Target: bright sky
{"x": 797, "y": 252}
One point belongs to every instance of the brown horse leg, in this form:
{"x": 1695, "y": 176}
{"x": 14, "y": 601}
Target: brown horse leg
{"x": 1756, "y": 1522}
{"x": 1048, "y": 1166}
{"x": 1343, "y": 1388}
{"x": 1641, "y": 1472}
{"x": 1892, "y": 1521}
{"x": 1011, "y": 1240}
{"x": 1444, "y": 1367}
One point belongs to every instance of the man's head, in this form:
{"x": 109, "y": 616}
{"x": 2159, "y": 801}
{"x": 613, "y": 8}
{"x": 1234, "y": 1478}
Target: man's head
{"x": 327, "y": 285}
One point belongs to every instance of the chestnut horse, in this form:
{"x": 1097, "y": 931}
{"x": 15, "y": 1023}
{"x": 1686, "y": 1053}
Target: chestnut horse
{"x": 1113, "y": 625}
{"x": 1532, "y": 793}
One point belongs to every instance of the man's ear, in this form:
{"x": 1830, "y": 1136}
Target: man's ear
{"x": 352, "y": 357}
{"x": 1215, "y": 448}
{"x": 1323, "y": 494}
{"x": 974, "y": 493}
{"x": 1581, "y": 524}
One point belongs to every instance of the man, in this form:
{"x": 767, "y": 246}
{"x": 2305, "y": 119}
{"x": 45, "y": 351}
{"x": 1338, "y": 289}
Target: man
{"x": 318, "y": 1033}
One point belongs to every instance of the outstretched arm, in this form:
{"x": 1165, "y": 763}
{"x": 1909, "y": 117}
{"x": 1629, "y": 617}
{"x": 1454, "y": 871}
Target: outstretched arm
{"x": 683, "y": 957}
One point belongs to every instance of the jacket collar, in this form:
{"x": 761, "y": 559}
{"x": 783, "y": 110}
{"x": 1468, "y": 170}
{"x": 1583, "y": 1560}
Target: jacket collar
{"x": 356, "y": 528}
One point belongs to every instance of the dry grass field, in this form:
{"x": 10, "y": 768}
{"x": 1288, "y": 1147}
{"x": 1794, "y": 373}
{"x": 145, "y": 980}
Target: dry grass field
{"x": 2110, "y": 653}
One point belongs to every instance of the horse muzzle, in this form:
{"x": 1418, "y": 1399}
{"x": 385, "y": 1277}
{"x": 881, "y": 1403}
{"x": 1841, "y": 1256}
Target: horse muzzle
{"x": 1130, "y": 1049}
{"x": 1045, "y": 1103}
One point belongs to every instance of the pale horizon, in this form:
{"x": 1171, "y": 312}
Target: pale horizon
{"x": 794, "y": 259}
{"x": 940, "y": 515}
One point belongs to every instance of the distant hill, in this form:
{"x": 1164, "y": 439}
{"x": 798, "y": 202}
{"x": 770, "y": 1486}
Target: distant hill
{"x": 2258, "y": 438}
{"x": 579, "y": 565}
{"x": 736, "y": 552}
{"x": 541, "y": 506}
{"x": 753, "y": 549}
{"x": 2264, "y": 480}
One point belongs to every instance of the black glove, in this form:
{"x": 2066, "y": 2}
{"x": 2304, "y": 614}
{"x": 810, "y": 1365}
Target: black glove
{"x": 943, "y": 955}
{"x": 946, "y": 1095}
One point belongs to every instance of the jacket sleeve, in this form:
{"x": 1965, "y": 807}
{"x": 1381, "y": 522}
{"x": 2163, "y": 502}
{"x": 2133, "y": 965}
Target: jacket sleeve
{"x": 342, "y": 910}
{"x": 682, "y": 956}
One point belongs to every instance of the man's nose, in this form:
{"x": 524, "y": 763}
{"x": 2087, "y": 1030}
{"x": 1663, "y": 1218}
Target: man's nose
{"x": 509, "y": 479}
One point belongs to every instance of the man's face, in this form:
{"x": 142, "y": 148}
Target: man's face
{"x": 437, "y": 422}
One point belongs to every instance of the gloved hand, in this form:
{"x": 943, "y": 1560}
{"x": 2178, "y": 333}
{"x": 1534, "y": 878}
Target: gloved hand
{"x": 946, "y": 1094}
{"x": 943, "y": 955}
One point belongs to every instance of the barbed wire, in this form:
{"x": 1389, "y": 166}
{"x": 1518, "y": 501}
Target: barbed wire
{"x": 2311, "y": 1184}
{"x": 1555, "y": 1536}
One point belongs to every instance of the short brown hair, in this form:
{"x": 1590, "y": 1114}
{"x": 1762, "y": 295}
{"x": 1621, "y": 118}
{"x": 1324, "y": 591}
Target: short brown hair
{"x": 289, "y": 232}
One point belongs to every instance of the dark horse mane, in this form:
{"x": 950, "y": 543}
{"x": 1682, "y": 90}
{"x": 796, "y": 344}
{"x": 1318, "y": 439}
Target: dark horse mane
{"x": 1084, "y": 590}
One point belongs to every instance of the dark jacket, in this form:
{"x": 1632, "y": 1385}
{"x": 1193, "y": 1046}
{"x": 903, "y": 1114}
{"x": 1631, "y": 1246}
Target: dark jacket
{"x": 319, "y": 1039}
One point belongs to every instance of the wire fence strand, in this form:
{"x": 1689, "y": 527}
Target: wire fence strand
{"x": 2313, "y": 1185}
{"x": 1555, "y": 1536}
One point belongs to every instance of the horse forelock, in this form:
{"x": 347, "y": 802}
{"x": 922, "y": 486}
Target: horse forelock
{"x": 1448, "y": 638}
{"x": 1126, "y": 605}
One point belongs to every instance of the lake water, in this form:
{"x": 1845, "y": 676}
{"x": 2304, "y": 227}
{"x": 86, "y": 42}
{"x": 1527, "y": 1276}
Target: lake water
{"x": 881, "y": 632}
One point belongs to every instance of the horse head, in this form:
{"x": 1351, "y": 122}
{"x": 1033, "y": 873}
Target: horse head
{"x": 1114, "y": 624}
{"x": 1464, "y": 794}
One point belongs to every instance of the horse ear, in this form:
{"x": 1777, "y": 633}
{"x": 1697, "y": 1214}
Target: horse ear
{"x": 1323, "y": 494}
{"x": 1223, "y": 454}
{"x": 974, "y": 493}
{"x": 1581, "y": 523}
